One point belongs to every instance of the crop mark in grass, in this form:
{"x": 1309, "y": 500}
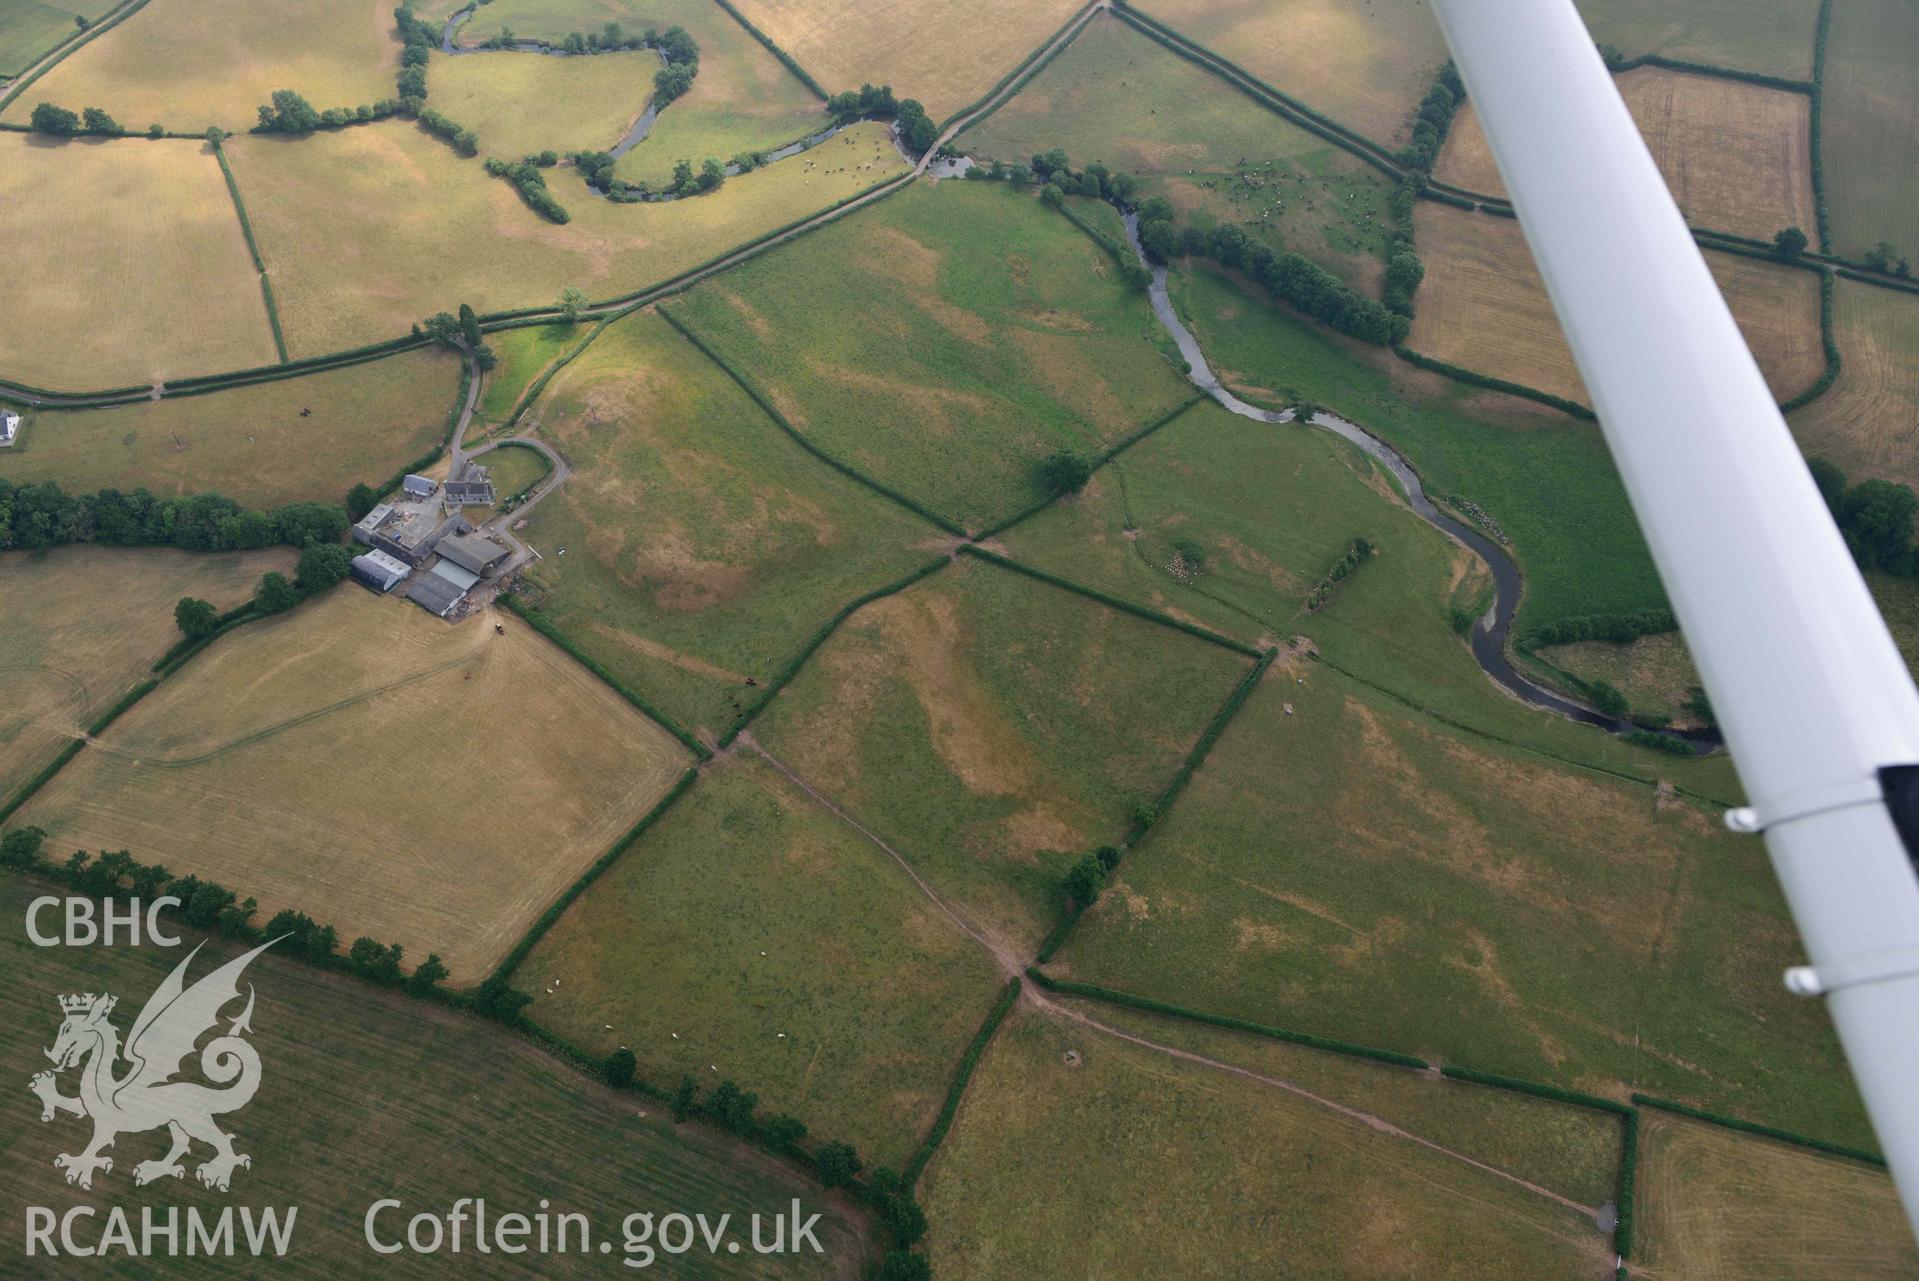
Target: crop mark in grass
{"x": 1004, "y": 957}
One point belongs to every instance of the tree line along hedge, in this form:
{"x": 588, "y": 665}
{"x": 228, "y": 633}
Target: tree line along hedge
{"x": 38, "y": 516}
{"x": 916, "y": 1164}
{"x": 1116, "y": 602}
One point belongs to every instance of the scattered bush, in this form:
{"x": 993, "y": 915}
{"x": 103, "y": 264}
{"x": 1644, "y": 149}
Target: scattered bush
{"x": 196, "y": 619}
{"x": 1083, "y": 882}
{"x": 619, "y": 1068}
{"x": 1607, "y": 698}
{"x": 96, "y": 121}
{"x": 1789, "y": 244}
{"x": 288, "y": 113}
{"x": 836, "y": 1163}
{"x": 1064, "y": 472}
{"x": 55, "y": 122}
{"x": 531, "y": 184}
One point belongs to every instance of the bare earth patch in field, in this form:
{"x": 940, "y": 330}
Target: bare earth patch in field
{"x": 363, "y": 762}
{"x": 1715, "y": 1205}
{"x": 267, "y": 445}
{"x": 124, "y": 262}
{"x": 192, "y": 63}
{"x": 1482, "y": 306}
{"x": 1737, "y": 156}
{"x": 1367, "y": 66}
{"x": 946, "y": 53}
{"x": 1869, "y": 422}
{"x": 367, "y": 230}
{"x": 82, "y": 625}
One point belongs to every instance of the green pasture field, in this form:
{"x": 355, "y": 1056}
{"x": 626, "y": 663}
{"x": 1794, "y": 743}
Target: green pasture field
{"x": 368, "y": 230}
{"x": 1869, "y": 117}
{"x": 255, "y": 764}
{"x": 213, "y": 62}
{"x": 522, "y": 356}
{"x": 754, "y": 932}
{"x": 128, "y": 258}
{"x": 1117, "y": 97}
{"x": 1546, "y": 479}
{"x": 253, "y": 444}
{"x": 703, "y": 545}
{"x": 84, "y": 624}
{"x": 743, "y": 100}
{"x": 1267, "y": 509}
{"x": 523, "y": 103}
{"x": 1868, "y": 423}
{"x": 945, "y": 53}
{"x": 995, "y": 729}
{"x": 1716, "y": 1204}
{"x": 1772, "y": 38}
{"x": 1348, "y": 867}
{"x": 1573, "y": 1151}
{"x": 1365, "y": 66}
{"x": 29, "y": 28}
{"x": 514, "y": 468}
{"x": 366, "y": 1094}
{"x": 945, "y": 342}
{"x": 1152, "y": 1166}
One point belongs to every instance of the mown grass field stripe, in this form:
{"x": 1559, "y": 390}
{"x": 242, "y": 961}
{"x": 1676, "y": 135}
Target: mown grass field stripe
{"x": 970, "y": 1060}
{"x": 97, "y": 29}
{"x": 511, "y": 961}
{"x": 1373, "y": 153}
{"x": 1115, "y": 602}
{"x": 1761, "y": 1130}
{"x": 545, "y": 627}
{"x": 820, "y": 637}
{"x": 847, "y": 469}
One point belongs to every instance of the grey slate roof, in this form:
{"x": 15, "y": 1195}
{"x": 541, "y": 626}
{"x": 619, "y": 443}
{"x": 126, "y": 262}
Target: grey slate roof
{"x": 434, "y": 594}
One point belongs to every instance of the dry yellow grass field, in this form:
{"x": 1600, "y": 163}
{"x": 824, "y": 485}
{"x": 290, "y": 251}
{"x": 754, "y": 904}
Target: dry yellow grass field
{"x": 1715, "y": 1205}
{"x": 1869, "y": 422}
{"x": 84, "y": 624}
{"x": 1737, "y": 156}
{"x": 946, "y": 53}
{"x": 1482, "y": 306}
{"x": 367, "y": 230}
{"x": 188, "y": 64}
{"x": 363, "y": 762}
{"x": 520, "y": 103}
{"x": 262, "y": 446}
{"x": 1365, "y": 65}
{"x": 123, "y": 263}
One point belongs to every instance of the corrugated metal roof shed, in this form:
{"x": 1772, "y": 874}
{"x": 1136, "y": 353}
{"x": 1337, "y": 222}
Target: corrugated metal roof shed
{"x": 434, "y": 594}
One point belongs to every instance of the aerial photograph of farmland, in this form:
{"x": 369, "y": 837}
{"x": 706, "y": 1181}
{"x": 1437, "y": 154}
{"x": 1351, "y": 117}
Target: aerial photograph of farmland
{"x": 894, "y": 639}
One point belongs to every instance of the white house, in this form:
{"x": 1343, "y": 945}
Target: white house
{"x": 9, "y": 427}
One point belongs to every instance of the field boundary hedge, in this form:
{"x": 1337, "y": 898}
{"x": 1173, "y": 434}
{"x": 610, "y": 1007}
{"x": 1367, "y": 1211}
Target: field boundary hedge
{"x": 72, "y": 749}
{"x": 1622, "y": 1232}
{"x": 1208, "y": 738}
{"x": 1115, "y": 602}
{"x": 1762, "y": 1131}
{"x": 1307, "y": 118}
{"x": 539, "y": 622}
{"x": 798, "y": 660}
{"x": 1900, "y": 286}
{"x": 546, "y": 375}
{"x": 61, "y": 52}
{"x": 1828, "y": 341}
{"x": 1093, "y": 992}
{"x": 1538, "y": 1089}
{"x": 253, "y": 247}
{"x": 786, "y": 59}
{"x": 917, "y": 1163}
{"x": 1459, "y": 373}
{"x": 546, "y": 920}
{"x": 1105, "y": 456}
{"x": 1822, "y": 27}
{"x": 1034, "y": 63}
{"x": 847, "y": 469}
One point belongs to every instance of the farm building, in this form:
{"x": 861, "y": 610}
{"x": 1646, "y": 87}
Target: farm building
{"x": 470, "y": 493}
{"x": 408, "y": 531}
{"x": 472, "y": 552}
{"x": 418, "y": 486}
{"x": 436, "y": 595}
{"x": 378, "y": 570}
{"x": 9, "y": 427}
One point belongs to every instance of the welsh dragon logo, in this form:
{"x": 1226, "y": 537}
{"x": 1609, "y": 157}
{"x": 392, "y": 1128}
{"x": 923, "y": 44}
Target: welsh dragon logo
{"x": 146, "y": 1096}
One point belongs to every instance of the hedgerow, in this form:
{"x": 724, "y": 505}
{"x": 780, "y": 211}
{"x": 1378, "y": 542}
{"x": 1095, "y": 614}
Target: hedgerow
{"x": 786, "y": 59}
{"x": 793, "y": 665}
{"x": 772, "y": 411}
{"x": 1100, "y": 460}
{"x": 1203, "y": 748}
{"x": 1628, "y": 1174}
{"x": 1821, "y": 29}
{"x": 1763, "y": 1131}
{"x": 1476, "y": 379}
{"x": 1092, "y": 992}
{"x": 1620, "y": 629}
{"x": 1537, "y": 1089}
{"x": 1828, "y": 341}
{"x": 1034, "y": 63}
{"x": 916, "y": 1164}
{"x": 1104, "y": 598}
{"x": 545, "y": 626}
